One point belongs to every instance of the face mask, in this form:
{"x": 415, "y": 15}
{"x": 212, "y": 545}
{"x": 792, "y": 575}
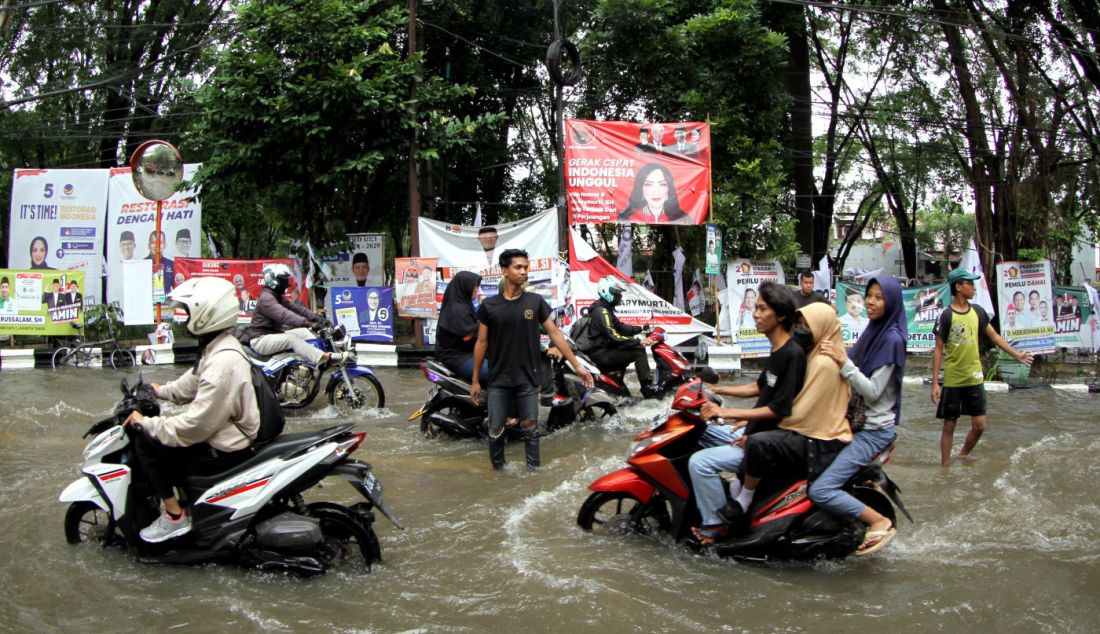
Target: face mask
{"x": 803, "y": 337}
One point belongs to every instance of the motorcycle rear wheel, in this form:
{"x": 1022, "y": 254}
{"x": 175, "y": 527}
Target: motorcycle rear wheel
{"x": 366, "y": 394}
{"x": 347, "y": 540}
{"x": 447, "y": 408}
{"x": 619, "y": 513}
{"x": 87, "y": 523}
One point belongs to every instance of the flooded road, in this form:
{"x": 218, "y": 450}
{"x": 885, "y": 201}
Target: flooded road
{"x": 1009, "y": 542}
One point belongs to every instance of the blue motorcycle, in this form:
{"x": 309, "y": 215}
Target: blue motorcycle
{"x": 297, "y": 381}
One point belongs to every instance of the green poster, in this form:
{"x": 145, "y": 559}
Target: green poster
{"x": 41, "y": 302}
{"x": 923, "y": 305}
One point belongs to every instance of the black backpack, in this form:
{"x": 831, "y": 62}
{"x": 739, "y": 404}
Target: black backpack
{"x": 272, "y": 420}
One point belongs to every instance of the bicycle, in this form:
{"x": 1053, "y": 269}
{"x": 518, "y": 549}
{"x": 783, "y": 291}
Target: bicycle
{"x": 81, "y": 353}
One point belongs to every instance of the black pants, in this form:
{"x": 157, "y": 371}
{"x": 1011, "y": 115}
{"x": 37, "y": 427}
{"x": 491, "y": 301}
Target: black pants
{"x": 784, "y": 454}
{"x": 166, "y": 467}
{"x": 617, "y": 359}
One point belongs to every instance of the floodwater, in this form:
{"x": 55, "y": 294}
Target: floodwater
{"x": 1008, "y": 542}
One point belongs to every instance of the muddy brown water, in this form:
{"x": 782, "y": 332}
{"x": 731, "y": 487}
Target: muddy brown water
{"x": 1005, "y": 543}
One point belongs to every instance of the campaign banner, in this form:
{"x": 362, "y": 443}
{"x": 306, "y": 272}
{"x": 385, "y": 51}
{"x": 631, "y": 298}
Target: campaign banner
{"x": 743, "y": 279}
{"x": 640, "y": 307}
{"x": 365, "y": 311}
{"x": 1075, "y": 325}
{"x": 1022, "y": 288}
{"x": 714, "y": 250}
{"x": 479, "y": 248}
{"x": 363, "y": 266}
{"x": 41, "y": 302}
{"x": 923, "y": 305}
{"x": 647, "y": 173}
{"x": 131, "y": 229}
{"x": 415, "y": 293}
{"x": 56, "y": 222}
{"x": 246, "y": 275}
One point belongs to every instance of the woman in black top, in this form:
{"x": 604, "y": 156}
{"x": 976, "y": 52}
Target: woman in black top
{"x": 456, "y": 332}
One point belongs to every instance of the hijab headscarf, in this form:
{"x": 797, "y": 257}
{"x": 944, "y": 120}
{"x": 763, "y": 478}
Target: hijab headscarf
{"x": 456, "y": 313}
{"x": 883, "y": 341}
{"x": 820, "y": 409}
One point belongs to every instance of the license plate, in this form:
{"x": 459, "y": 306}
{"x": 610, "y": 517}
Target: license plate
{"x": 373, "y": 486}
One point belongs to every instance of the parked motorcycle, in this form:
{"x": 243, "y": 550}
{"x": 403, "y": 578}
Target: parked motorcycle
{"x": 450, "y": 410}
{"x": 253, "y": 515}
{"x": 654, "y": 495}
{"x": 297, "y": 381}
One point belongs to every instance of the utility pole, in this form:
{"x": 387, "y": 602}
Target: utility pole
{"x": 414, "y": 179}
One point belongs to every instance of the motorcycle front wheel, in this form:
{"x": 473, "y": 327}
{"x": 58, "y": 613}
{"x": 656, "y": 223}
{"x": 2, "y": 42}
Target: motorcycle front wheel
{"x": 619, "y": 513}
{"x": 366, "y": 393}
{"x": 347, "y": 541}
{"x": 87, "y": 523}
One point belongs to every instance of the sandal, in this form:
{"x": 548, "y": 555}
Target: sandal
{"x": 707, "y": 535}
{"x": 874, "y": 541}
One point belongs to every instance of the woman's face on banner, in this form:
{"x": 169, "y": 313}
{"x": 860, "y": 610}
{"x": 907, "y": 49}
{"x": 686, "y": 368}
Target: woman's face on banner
{"x": 38, "y": 252}
{"x": 655, "y": 190}
{"x": 750, "y": 299}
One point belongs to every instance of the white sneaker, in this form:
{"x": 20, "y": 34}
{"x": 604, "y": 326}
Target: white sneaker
{"x": 165, "y": 528}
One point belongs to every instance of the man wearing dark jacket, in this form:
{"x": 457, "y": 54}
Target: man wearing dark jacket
{"x": 614, "y": 345}
{"x": 265, "y": 334}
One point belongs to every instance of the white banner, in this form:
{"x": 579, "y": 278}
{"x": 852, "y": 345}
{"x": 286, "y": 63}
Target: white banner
{"x": 131, "y": 228}
{"x": 137, "y": 278}
{"x": 364, "y": 266}
{"x": 744, "y": 278}
{"x": 57, "y": 221}
{"x": 455, "y": 245}
{"x": 640, "y": 307}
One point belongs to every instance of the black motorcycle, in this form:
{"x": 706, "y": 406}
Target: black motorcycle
{"x": 450, "y": 410}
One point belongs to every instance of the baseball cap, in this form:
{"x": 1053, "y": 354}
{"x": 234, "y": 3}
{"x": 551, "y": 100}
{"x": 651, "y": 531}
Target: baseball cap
{"x": 961, "y": 274}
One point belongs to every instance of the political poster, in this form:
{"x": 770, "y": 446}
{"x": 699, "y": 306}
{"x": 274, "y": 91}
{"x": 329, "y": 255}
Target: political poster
{"x": 1075, "y": 324}
{"x": 131, "y": 229}
{"x": 714, "y": 250}
{"x": 647, "y": 173}
{"x": 479, "y": 248}
{"x": 56, "y": 222}
{"x": 246, "y": 275}
{"x": 851, "y": 311}
{"x": 365, "y": 311}
{"x": 639, "y": 307}
{"x": 41, "y": 302}
{"x": 743, "y": 278}
{"x": 923, "y": 305}
{"x": 1022, "y": 290}
{"x": 415, "y": 292}
{"x": 364, "y": 265}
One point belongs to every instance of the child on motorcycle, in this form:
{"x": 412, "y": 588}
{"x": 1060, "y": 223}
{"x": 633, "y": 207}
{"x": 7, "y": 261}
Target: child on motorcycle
{"x": 874, "y": 371}
{"x": 265, "y": 334}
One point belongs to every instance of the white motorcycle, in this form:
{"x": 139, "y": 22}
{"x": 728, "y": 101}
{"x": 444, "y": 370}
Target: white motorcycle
{"x": 253, "y": 515}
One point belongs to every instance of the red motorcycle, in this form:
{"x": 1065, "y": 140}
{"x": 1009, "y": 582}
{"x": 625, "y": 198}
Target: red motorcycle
{"x": 653, "y": 495}
{"x": 672, "y": 369}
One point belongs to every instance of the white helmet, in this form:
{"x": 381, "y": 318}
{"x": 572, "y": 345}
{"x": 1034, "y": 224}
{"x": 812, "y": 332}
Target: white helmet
{"x": 610, "y": 289}
{"x": 211, "y": 304}
{"x": 277, "y": 276}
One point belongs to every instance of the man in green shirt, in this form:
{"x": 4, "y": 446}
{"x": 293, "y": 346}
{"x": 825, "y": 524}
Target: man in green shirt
{"x": 957, "y": 331}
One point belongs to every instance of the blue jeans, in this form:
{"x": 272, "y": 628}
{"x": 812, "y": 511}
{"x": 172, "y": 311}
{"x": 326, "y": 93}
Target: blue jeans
{"x": 705, "y": 466}
{"x": 466, "y": 369}
{"x": 826, "y": 491}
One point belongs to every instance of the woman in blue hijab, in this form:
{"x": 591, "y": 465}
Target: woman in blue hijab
{"x": 874, "y": 372}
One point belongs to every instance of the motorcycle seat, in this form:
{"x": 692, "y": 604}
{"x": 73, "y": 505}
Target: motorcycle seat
{"x": 256, "y": 355}
{"x": 281, "y": 445}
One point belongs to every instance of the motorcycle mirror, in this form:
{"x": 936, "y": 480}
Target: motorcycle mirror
{"x": 708, "y": 374}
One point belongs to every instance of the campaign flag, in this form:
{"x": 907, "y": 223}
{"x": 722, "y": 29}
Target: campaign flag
{"x": 744, "y": 278}
{"x": 714, "y": 250}
{"x": 648, "y": 173}
{"x": 478, "y": 248}
{"x": 415, "y": 287}
{"x": 639, "y": 306}
{"x": 56, "y": 222}
{"x": 246, "y": 275}
{"x": 696, "y": 300}
{"x": 41, "y": 302}
{"x": 365, "y": 311}
{"x": 1022, "y": 289}
{"x": 131, "y": 229}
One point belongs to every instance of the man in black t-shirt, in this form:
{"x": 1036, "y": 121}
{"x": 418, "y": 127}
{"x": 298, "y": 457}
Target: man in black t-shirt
{"x": 508, "y": 334}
